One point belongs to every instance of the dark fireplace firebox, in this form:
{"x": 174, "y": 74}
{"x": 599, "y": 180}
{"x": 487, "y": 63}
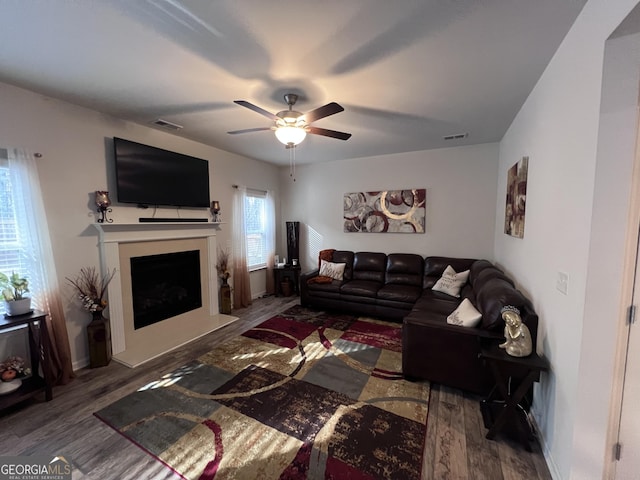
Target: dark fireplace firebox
{"x": 164, "y": 286}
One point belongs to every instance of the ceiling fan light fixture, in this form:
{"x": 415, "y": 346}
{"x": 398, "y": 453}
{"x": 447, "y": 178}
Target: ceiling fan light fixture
{"x": 291, "y": 127}
{"x": 290, "y": 135}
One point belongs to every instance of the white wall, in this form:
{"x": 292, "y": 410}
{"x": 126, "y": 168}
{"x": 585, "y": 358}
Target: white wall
{"x": 460, "y": 183}
{"x": 570, "y": 228}
{"x": 76, "y": 146}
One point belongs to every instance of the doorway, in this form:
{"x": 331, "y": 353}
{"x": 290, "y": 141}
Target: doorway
{"x": 628, "y": 441}
{"x": 624, "y": 432}
{"x": 619, "y": 155}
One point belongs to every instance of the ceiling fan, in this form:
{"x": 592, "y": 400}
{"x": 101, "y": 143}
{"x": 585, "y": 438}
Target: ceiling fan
{"x": 291, "y": 127}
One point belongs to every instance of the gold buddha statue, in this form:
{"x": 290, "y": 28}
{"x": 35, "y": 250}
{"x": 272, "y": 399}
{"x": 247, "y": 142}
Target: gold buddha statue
{"x": 517, "y": 335}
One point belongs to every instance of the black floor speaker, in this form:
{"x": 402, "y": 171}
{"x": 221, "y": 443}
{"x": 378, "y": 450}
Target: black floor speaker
{"x": 293, "y": 241}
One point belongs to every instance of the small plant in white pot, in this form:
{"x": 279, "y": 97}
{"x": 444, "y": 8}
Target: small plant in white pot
{"x": 13, "y": 289}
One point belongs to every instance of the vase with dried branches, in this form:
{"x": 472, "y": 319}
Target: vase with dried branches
{"x": 92, "y": 288}
{"x": 222, "y": 265}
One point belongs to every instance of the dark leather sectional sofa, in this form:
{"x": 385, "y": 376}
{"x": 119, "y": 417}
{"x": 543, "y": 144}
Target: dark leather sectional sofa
{"x": 398, "y": 287}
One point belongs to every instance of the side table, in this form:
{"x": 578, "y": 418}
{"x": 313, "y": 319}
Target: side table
{"x": 514, "y": 376}
{"x": 292, "y": 272}
{"x": 39, "y": 355}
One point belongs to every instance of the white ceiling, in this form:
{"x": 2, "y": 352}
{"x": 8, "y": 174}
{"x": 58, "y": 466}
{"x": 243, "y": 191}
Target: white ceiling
{"x": 407, "y": 72}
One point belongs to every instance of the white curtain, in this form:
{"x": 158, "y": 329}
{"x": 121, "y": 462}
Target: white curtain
{"x": 33, "y": 234}
{"x": 241, "y": 280}
{"x": 270, "y": 240}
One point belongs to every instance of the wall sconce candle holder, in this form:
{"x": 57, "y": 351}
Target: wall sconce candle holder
{"x": 215, "y": 210}
{"x": 103, "y": 203}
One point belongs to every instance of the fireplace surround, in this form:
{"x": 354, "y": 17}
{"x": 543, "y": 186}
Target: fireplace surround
{"x": 118, "y": 244}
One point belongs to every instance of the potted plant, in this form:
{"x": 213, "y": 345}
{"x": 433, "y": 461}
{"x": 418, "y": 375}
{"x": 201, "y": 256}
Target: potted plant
{"x": 12, "y": 368}
{"x": 12, "y": 371}
{"x": 13, "y": 289}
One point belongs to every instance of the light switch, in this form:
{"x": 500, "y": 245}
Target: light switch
{"x": 562, "y": 282}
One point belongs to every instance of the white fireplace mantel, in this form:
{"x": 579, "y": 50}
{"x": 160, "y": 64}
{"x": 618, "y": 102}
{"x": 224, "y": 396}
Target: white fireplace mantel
{"x": 111, "y": 237}
{"x": 136, "y": 232}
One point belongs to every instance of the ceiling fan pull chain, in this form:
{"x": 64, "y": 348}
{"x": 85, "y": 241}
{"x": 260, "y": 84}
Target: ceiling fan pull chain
{"x": 292, "y": 163}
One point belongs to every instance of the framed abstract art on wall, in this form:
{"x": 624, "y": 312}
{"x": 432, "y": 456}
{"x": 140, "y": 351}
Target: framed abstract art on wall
{"x": 516, "y": 198}
{"x": 389, "y": 211}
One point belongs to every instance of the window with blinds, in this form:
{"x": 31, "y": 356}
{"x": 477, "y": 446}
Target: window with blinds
{"x": 255, "y": 228}
{"x": 10, "y": 251}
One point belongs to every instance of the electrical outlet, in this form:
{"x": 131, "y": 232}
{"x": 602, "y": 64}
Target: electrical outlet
{"x": 562, "y": 282}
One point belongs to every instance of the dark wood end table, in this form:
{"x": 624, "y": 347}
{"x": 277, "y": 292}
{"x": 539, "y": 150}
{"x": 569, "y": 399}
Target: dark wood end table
{"x": 39, "y": 355}
{"x": 514, "y": 376}
{"x": 291, "y": 272}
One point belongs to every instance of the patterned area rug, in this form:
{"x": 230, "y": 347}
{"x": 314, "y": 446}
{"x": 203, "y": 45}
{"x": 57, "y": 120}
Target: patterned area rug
{"x": 305, "y": 395}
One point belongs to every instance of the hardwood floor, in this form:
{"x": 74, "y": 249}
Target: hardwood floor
{"x": 455, "y": 447}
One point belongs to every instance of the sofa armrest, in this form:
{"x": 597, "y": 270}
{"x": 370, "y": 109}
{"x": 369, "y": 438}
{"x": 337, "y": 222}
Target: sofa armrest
{"x": 304, "y": 287}
{"x": 307, "y": 275}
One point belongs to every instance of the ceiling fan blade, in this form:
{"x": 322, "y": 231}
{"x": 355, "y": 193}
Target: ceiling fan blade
{"x": 324, "y": 111}
{"x": 247, "y": 130}
{"x": 329, "y": 133}
{"x": 255, "y": 108}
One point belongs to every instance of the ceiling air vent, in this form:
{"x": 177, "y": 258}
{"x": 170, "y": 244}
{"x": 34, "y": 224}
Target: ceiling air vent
{"x": 457, "y": 136}
{"x": 166, "y": 124}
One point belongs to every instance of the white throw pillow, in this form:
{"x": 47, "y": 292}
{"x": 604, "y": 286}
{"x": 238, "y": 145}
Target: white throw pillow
{"x": 465, "y": 315}
{"x": 333, "y": 270}
{"x": 451, "y": 282}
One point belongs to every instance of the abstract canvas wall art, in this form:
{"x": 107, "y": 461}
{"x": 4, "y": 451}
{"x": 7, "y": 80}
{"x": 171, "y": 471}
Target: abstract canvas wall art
{"x": 516, "y": 198}
{"x": 390, "y": 211}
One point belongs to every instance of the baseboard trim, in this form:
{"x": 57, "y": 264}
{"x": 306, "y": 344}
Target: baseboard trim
{"x": 258, "y": 295}
{"x": 80, "y": 364}
{"x": 546, "y": 452}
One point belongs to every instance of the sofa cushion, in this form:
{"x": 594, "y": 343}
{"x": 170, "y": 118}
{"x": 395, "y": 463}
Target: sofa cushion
{"x": 465, "y": 315}
{"x": 493, "y": 297}
{"x": 435, "y": 302}
{"x": 404, "y": 269}
{"x": 333, "y": 270}
{"x": 369, "y": 266}
{"x": 363, "y": 288}
{"x": 431, "y": 322}
{"x": 468, "y": 292}
{"x": 354, "y": 302}
{"x": 477, "y": 266}
{"x": 400, "y": 293}
{"x": 487, "y": 274}
{"x": 451, "y": 282}
{"x": 346, "y": 257}
{"x": 435, "y": 266}
{"x": 333, "y": 286}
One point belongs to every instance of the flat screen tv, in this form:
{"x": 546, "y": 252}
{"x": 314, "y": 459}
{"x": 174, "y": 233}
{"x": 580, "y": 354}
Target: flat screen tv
{"x": 150, "y": 176}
